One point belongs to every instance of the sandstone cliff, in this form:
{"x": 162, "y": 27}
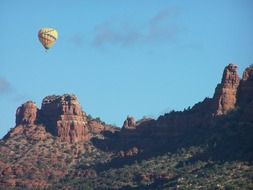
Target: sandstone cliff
{"x": 246, "y": 87}
{"x": 26, "y": 113}
{"x": 60, "y": 116}
{"x": 226, "y": 92}
{"x": 229, "y": 94}
{"x": 63, "y": 117}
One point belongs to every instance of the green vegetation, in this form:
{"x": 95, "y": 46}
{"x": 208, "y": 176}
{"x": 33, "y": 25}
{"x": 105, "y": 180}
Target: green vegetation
{"x": 170, "y": 171}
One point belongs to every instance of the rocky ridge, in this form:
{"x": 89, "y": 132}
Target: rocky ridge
{"x": 59, "y": 147}
{"x": 231, "y": 94}
{"x": 61, "y": 116}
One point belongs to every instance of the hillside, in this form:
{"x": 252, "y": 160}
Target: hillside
{"x": 207, "y": 146}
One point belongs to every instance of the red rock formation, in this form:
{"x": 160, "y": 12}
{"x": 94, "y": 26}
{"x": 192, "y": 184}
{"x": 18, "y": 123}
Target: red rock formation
{"x": 63, "y": 117}
{"x": 129, "y": 129}
{"x": 26, "y": 114}
{"x": 129, "y": 123}
{"x": 96, "y": 127}
{"x": 226, "y": 92}
{"x": 246, "y": 87}
{"x": 245, "y": 95}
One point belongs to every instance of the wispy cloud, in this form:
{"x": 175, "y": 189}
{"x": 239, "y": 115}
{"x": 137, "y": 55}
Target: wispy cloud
{"x": 5, "y": 86}
{"x": 165, "y": 14}
{"x": 77, "y": 40}
{"x": 161, "y": 28}
{"x": 123, "y": 35}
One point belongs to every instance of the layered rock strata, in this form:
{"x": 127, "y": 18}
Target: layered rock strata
{"x": 60, "y": 115}
{"x": 64, "y": 118}
{"x": 226, "y": 92}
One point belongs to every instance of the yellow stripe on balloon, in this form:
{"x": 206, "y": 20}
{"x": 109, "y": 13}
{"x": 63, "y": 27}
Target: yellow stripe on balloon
{"x": 47, "y": 37}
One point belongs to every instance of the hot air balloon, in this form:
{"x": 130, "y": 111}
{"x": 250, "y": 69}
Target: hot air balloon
{"x": 47, "y": 37}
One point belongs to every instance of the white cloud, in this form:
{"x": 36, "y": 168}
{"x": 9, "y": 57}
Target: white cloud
{"x": 5, "y": 86}
{"x": 162, "y": 28}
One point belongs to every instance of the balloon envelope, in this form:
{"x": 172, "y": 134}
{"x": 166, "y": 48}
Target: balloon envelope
{"x": 47, "y": 37}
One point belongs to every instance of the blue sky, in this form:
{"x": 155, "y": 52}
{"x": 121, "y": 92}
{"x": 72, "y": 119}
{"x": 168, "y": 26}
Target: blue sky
{"x": 120, "y": 58}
